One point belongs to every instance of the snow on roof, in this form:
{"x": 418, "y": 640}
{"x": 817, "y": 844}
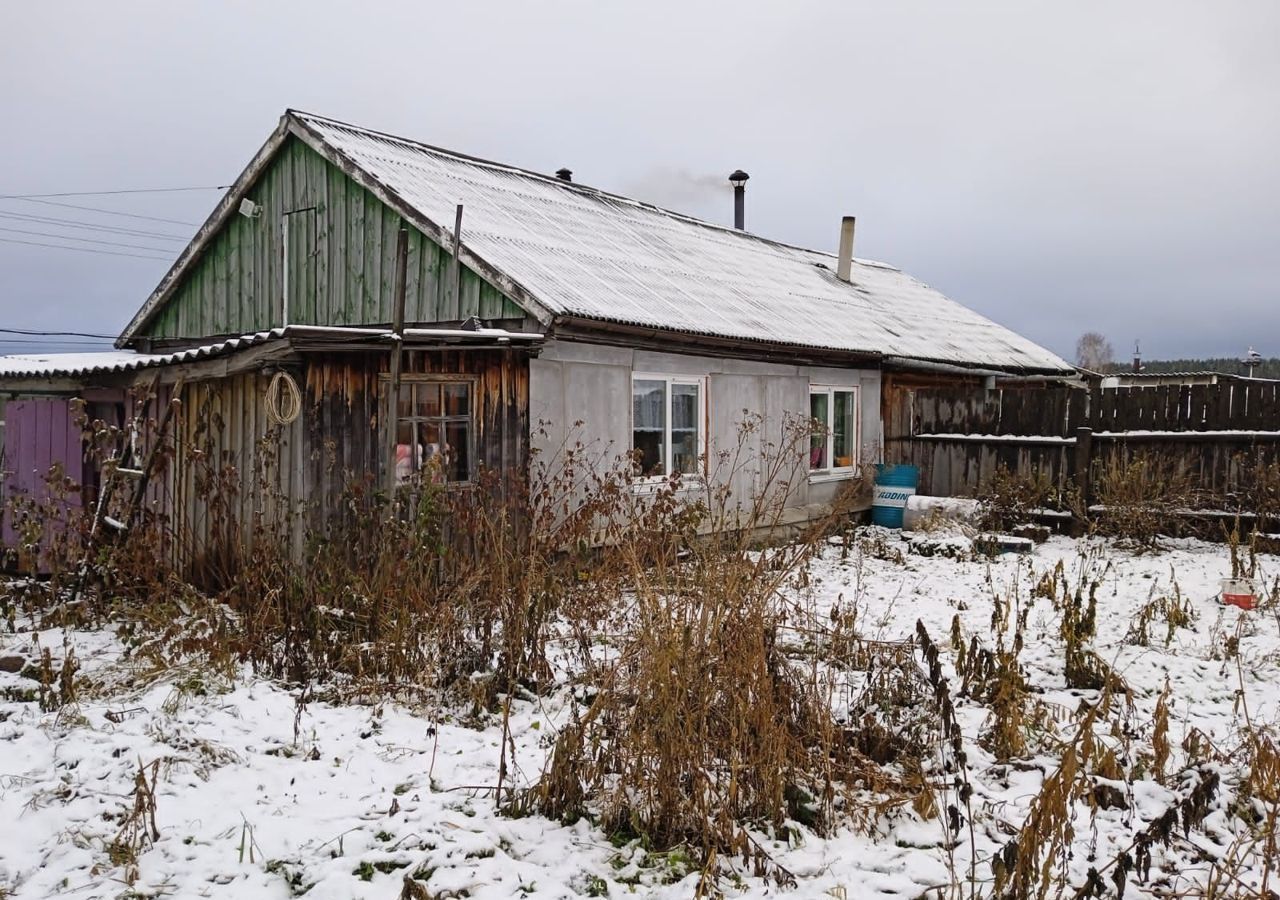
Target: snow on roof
{"x": 1204, "y": 373}
{"x": 585, "y": 253}
{"x": 47, "y": 365}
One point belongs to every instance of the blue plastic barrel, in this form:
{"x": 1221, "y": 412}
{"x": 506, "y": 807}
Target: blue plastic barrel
{"x": 893, "y": 485}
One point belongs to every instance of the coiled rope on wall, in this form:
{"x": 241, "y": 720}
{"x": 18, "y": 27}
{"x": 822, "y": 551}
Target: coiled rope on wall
{"x": 284, "y": 400}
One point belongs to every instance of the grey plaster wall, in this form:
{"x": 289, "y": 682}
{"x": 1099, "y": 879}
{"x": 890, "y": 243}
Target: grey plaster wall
{"x": 581, "y": 394}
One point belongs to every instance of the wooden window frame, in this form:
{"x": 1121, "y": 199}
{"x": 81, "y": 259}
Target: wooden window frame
{"x": 472, "y": 382}
{"x": 701, "y": 383}
{"x": 833, "y": 472}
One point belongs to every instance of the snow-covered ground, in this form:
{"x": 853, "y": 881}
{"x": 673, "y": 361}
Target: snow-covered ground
{"x": 259, "y": 796}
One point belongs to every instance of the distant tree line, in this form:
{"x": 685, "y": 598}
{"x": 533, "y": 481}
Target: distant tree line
{"x": 1095, "y": 354}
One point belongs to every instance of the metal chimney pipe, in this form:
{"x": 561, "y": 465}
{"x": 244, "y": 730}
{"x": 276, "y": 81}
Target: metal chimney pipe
{"x": 739, "y": 181}
{"x": 844, "y": 263}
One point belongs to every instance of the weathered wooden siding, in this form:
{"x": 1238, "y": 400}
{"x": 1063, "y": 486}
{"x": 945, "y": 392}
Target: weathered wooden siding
{"x": 919, "y": 407}
{"x": 961, "y": 434}
{"x": 341, "y": 263}
{"x": 916, "y": 405}
{"x": 301, "y": 470}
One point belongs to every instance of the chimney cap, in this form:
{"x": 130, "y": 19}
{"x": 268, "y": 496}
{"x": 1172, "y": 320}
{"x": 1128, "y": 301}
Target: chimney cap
{"x": 738, "y": 177}
{"x": 564, "y": 174}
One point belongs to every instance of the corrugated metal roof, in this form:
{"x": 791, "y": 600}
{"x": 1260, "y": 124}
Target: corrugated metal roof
{"x": 71, "y": 365}
{"x": 51, "y": 365}
{"x": 585, "y": 253}
{"x": 1204, "y": 373}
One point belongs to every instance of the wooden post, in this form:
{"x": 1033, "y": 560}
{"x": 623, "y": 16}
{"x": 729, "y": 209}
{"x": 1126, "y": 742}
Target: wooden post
{"x": 455, "y": 271}
{"x": 397, "y": 349}
{"x": 1084, "y": 464}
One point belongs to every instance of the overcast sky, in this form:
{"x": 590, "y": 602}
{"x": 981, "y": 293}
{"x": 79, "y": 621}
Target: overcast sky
{"x": 1058, "y": 167}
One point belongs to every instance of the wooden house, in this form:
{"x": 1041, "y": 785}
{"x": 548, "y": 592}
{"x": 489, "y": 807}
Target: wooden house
{"x": 522, "y": 311}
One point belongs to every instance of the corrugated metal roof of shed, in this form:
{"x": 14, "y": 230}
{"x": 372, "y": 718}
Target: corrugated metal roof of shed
{"x": 582, "y": 252}
{"x": 48, "y": 365}
{"x": 70, "y": 365}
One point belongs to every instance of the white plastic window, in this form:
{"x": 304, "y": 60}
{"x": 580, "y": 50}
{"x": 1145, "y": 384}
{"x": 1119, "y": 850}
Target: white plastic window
{"x": 667, "y": 424}
{"x": 833, "y": 445}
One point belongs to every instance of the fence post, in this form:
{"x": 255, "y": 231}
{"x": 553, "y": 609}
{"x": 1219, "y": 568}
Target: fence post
{"x": 1084, "y": 459}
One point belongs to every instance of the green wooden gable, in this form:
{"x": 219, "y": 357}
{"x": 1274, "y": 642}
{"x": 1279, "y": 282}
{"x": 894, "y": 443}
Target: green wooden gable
{"x": 340, "y": 269}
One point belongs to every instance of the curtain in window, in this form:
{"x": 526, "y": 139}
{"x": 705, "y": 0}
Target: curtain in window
{"x": 821, "y": 414}
{"x": 684, "y": 428}
{"x": 433, "y": 431}
{"x": 649, "y": 418}
{"x": 843, "y": 429}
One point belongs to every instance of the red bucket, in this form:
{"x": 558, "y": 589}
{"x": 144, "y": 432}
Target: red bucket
{"x": 1239, "y": 592}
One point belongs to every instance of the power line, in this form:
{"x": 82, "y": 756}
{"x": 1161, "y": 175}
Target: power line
{"x": 99, "y": 209}
{"x": 69, "y": 237}
{"x": 15, "y": 342}
{"x": 89, "y": 226}
{"x": 178, "y": 190}
{"x": 82, "y": 249}
{"x": 34, "y": 333}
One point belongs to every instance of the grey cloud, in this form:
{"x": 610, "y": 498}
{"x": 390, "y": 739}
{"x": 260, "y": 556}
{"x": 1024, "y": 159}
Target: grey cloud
{"x": 1058, "y": 167}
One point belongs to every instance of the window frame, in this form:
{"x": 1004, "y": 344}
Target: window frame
{"x": 699, "y": 381}
{"x": 833, "y": 472}
{"x": 415, "y": 378}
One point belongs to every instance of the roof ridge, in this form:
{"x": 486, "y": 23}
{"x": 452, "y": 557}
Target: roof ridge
{"x": 576, "y": 186}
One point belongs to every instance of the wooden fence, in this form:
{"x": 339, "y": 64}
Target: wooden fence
{"x": 1213, "y": 434}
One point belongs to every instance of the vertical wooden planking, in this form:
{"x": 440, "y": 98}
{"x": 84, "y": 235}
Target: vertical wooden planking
{"x": 268, "y": 226}
{"x": 237, "y": 285}
{"x": 20, "y": 453}
{"x": 453, "y": 287}
{"x": 356, "y": 254}
{"x": 1253, "y": 405}
{"x": 1126, "y": 408}
{"x": 1077, "y": 410}
{"x": 44, "y": 443}
{"x": 1199, "y": 407}
{"x": 318, "y": 182}
{"x": 27, "y": 471}
{"x": 1174, "y": 415}
{"x": 248, "y": 240}
{"x": 295, "y": 223}
{"x": 234, "y": 310}
{"x": 1006, "y": 416}
{"x": 1270, "y": 407}
{"x": 68, "y": 446}
{"x": 333, "y": 248}
{"x": 1157, "y": 419}
{"x": 1150, "y": 409}
{"x": 377, "y": 309}
{"x": 1221, "y": 406}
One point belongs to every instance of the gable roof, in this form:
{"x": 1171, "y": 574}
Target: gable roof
{"x": 563, "y": 250}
